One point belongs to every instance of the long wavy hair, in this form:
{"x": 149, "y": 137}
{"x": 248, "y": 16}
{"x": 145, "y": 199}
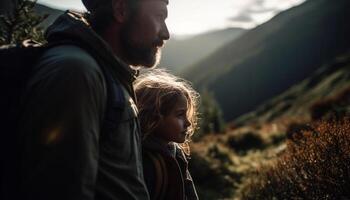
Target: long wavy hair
{"x": 157, "y": 93}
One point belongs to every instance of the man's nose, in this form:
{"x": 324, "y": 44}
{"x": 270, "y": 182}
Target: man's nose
{"x": 164, "y": 33}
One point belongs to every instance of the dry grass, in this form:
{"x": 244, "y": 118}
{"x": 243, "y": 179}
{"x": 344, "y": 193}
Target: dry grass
{"x": 219, "y": 169}
{"x": 333, "y": 107}
{"x": 315, "y": 165}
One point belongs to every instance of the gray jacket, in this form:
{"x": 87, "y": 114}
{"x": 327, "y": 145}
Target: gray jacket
{"x": 68, "y": 152}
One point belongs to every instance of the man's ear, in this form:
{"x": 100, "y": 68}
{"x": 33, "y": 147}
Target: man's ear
{"x": 120, "y": 10}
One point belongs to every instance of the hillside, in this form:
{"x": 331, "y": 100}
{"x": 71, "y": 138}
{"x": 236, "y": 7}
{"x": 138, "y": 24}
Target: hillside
{"x": 178, "y": 54}
{"x": 231, "y": 160}
{"x": 269, "y": 59}
{"x": 330, "y": 84}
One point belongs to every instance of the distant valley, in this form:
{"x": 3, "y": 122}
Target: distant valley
{"x": 269, "y": 59}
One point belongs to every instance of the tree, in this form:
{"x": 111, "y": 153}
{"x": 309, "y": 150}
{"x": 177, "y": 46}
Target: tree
{"x": 211, "y": 115}
{"x": 21, "y": 24}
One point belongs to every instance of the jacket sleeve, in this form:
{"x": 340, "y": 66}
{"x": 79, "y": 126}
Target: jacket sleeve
{"x": 63, "y": 110}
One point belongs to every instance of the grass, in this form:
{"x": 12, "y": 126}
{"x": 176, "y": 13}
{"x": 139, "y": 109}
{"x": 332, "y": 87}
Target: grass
{"x": 314, "y": 166}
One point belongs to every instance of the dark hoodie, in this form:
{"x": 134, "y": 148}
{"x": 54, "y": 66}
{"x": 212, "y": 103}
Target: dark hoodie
{"x": 69, "y": 154}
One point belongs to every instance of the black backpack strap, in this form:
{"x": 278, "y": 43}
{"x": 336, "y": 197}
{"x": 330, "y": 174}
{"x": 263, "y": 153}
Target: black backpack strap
{"x": 115, "y": 103}
{"x": 161, "y": 174}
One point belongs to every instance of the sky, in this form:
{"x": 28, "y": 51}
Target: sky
{"x": 189, "y": 17}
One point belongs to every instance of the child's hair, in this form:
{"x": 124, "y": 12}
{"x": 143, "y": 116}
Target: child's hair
{"x": 157, "y": 93}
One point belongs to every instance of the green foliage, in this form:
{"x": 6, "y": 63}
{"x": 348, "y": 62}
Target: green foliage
{"x": 22, "y": 24}
{"x": 316, "y": 166}
{"x": 211, "y": 115}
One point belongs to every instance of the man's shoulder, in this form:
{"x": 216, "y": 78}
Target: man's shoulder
{"x": 67, "y": 65}
{"x": 69, "y": 57}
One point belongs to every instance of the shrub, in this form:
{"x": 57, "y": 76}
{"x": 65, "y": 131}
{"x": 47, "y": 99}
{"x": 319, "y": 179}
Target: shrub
{"x": 332, "y": 107}
{"x": 211, "y": 115}
{"x": 215, "y": 153}
{"x": 245, "y": 141}
{"x": 211, "y": 182}
{"x": 317, "y": 166}
{"x": 22, "y": 24}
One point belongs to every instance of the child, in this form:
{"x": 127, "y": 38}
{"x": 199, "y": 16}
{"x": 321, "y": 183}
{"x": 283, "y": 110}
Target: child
{"x": 168, "y": 117}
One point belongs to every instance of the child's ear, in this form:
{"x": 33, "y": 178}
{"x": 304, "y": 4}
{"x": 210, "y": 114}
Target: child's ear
{"x": 120, "y": 10}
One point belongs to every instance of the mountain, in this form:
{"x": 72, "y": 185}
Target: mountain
{"x": 269, "y": 59}
{"x": 178, "y": 54}
{"x": 326, "y": 90}
{"x": 51, "y": 12}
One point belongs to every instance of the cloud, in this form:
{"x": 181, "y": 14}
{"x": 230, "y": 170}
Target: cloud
{"x": 255, "y": 10}
{"x": 242, "y": 18}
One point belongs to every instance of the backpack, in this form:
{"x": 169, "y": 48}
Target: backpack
{"x": 16, "y": 65}
{"x": 161, "y": 174}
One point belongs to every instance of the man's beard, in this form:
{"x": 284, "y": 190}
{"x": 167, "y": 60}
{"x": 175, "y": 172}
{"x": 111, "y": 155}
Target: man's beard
{"x": 142, "y": 54}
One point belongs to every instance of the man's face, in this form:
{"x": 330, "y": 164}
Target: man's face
{"x": 145, "y": 32}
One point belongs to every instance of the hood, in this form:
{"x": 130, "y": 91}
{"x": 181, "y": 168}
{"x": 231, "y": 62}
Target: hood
{"x": 72, "y": 26}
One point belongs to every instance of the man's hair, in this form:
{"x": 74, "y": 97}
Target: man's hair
{"x": 101, "y": 16}
{"x": 157, "y": 93}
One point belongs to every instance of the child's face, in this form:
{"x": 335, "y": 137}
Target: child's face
{"x": 173, "y": 127}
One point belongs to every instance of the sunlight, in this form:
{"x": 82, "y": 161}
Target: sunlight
{"x": 198, "y": 16}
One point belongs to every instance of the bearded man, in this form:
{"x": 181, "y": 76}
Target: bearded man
{"x": 81, "y": 137}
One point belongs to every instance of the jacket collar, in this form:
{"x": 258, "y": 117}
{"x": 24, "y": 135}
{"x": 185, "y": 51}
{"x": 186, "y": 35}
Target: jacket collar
{"x": 152, "y": 143}
{"x": 74, "y": 27}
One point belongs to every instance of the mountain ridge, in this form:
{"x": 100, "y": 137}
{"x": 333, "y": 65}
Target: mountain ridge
{"x": 267, "y": 60}
{"x": 178, "y": 54}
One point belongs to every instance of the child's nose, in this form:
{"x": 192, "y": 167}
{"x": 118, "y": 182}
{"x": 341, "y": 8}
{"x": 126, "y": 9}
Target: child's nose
{"x": 187, "y": 123}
